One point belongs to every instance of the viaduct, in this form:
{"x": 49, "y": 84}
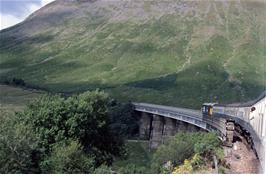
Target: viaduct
{"x": 158, "y": 123}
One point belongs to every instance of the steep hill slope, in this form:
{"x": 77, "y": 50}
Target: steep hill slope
{"x": 172, "y": 52}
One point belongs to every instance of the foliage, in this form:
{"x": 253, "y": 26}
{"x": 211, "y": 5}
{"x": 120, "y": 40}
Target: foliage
{"x": 178, "y": 152}
{"x": 83, "y": 117}
{"x": 132, "y": 169}
{"x": 122, "y": 120}
{"x": 196, "y": 161}
{"x": 222, "y": 170}
{"x": 184, "y": 146}
{"x": 219, "y": 152}
{"x": 103, "y": 170}
{"x": 207, "y": 144}
{"x": 68, "y": 159}
{"x": 175, "y": 151}
{"x": 18, "y": 146}
{"x": 189, "y": 165}
{"x": 137, "y": 153}
{"x": 72, "y": 134}
{"x": 186, "y": 168}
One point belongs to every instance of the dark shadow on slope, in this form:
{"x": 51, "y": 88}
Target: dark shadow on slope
{"x": 206, "y": 81}
{"x": 80, "y": 87}
{"x": 7, "y": 42}
{"x": 160, "y": 83}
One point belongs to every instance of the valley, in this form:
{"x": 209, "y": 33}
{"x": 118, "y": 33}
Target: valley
{"x": 169, "y": 52}
{"x": 134, "y": 87}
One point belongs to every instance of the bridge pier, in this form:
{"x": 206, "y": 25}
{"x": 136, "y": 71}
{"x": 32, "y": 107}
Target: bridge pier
{"x": 145, "y": 126}
{"x": 181, "y": 126}
{"x": 230, "y": 128}
{"x": 169, "y": 128}
{"x": 192, "y": 128}
{"x": 157, "y": 131}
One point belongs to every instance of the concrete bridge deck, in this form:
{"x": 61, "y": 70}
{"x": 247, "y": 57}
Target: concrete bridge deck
{"x": 190, "y": 116}
{"x": 186, "y": 115}
{"x": 160, "y": 122}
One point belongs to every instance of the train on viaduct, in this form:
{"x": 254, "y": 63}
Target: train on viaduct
{"x": 158, "y": 123}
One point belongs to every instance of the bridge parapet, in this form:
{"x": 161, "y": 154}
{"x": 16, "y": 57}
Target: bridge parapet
{"x": 175, "y": 119}
{"x": 187, "y": 115}
{"x": 254, "y": 122}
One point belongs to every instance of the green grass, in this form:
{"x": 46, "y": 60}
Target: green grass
{"x": 177, "y": 59}
{"x": 14, "y": 99}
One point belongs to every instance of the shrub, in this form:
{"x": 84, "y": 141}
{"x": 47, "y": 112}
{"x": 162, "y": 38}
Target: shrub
{"x": 186, "y": 168}
{"x": 18, "y": 146}
{"x": 103, "y": 170}
{"x": 206, "y": 144}
{"x": 67, "y": 158}
{"x": 184, "y": 146}
{"x": 132, "y": 169}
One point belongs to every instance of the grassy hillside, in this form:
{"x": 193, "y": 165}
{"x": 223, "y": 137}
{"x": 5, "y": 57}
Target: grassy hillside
{"x": 15, "y": 99}
{"x": 173, "y": 52}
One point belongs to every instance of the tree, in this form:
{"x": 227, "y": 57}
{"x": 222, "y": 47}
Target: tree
{"x": 67, "y": 158}
{"x": 122, "y": 119}
{"x": 83, "y": 117}
{"x": 18, "y": 147}
{"x": 64, "y": 134}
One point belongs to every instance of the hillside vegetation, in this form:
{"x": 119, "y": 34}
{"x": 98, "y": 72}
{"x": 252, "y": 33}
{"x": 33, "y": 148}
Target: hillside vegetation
{"x": 14, "y": 99}
{"x": 56, "y": 134}
{"x": 173, "y": 52}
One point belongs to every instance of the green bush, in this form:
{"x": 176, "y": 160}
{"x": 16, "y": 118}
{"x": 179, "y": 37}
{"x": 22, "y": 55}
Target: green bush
{"x": 206, "y": 144}
{"x": 68, "y": 159}
{"x": 184, "y": 146}
{"x": 103, "y": 170}
{"x": 132, "y": 169}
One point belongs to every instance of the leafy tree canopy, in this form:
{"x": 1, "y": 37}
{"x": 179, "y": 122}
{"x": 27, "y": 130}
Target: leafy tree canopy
{"x": 83, "y": 117}
{"x": 18, "y": 146}
{"x": 57, "y": 134}
{"x": 67, "y": 158}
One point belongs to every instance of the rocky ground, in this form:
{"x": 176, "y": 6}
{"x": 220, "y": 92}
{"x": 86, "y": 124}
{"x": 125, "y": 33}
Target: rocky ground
{"x": 242, "y": 160}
